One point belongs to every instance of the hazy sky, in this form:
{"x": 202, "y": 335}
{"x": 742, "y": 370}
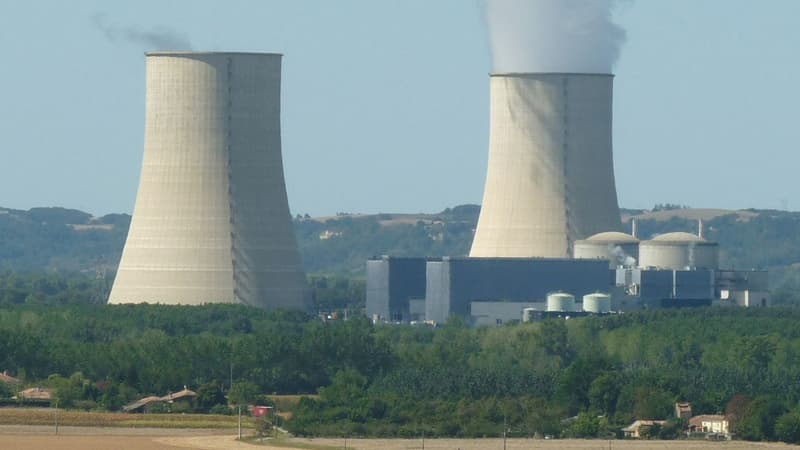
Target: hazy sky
{"x": 385, "y": 102}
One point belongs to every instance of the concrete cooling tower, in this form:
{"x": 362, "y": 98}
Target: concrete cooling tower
{"x": 211, "y": 222}
{"x": 550, "y": 177}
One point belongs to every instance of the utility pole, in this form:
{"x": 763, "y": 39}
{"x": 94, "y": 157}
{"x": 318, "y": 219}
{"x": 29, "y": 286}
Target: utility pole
{"x": 504, "y": 431}
{"x": 240, "y": 422}
{"x": 56, "y": 416}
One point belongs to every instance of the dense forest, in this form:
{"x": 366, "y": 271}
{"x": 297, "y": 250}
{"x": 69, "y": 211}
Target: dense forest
{"x": 583, "y": 378}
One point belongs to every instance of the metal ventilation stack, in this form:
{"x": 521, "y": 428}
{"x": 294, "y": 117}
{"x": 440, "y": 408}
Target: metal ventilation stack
{"x": 211, "y": 222}
{"x": 550, "y": 177}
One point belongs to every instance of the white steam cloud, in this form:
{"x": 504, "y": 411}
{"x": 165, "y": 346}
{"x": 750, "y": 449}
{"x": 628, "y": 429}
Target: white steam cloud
{"x": 152, "y": 39}
{"x": 618, "y": 255}
{"x": 577, "y": 36}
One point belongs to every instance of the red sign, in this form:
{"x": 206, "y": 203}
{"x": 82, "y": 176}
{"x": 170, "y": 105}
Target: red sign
{"x": 261, "y": 411}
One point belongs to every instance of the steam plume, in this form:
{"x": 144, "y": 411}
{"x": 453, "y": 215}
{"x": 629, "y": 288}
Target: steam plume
{"x": 154, "y": 39}
{"x": 620, "y": 257}
{"x": 553, "y": 35}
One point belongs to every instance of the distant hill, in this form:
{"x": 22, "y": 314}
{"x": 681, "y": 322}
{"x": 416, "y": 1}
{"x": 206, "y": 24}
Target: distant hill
{"x": 58, "y": 239}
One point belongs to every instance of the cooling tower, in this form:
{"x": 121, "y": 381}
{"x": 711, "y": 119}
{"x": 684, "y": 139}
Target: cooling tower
{"x": 211, "y": 222}
{"x": 550, "y": 177}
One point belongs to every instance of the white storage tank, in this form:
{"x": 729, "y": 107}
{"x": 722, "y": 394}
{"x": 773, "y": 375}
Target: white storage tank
{"x": 597, "y": 303}
{"x": 678, "y": 251}
{"x": 527, "y": 314}
{"x": 620, "y": 249}
{"x": 560, "y": 302}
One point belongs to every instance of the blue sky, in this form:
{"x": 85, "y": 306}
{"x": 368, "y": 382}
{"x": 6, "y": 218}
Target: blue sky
{"x": 385, "y": 102}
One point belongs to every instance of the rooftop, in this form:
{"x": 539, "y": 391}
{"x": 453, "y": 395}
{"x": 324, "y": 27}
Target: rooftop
{"x": 538, "y": 74}
{"x": 679, "y": 236}
{"x": 8, "y": 379}
{"x": 612, "y": 237}
{"x": 191, "y": 53}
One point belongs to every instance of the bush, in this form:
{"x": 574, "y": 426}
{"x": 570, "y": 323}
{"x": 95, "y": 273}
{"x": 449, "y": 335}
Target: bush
{"x": 222, "y": 410}
{"x": 787, "y": 429}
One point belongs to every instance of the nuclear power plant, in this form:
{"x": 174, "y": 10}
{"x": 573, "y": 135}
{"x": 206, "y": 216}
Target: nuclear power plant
{"x": 550, "y": 177}
{"x": 211, "y": 222}
{"x": 549, "y": 229}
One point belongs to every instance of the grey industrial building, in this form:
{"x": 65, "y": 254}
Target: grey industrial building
{"x": 453, "y": 284}
{"x": 395, "y": 288}
{"x": 678, "y": 270}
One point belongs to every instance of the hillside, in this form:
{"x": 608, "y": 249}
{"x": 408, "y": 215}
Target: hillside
{"x": 58, "y": 239}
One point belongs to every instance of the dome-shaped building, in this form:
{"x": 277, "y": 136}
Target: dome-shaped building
{"x": 620, "y": 249}
{"x": 677, "y": 251}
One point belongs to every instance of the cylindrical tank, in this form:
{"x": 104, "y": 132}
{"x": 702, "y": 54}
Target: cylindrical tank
{"x": 527, "y": 314}
{"x": 678, "y": 251}
{"x": 560, "y": 302}
{"x": 597, "y": 303}
{"x": 211, "y": 222}
{"x": 620, "y": 249}
{"x": 550, "y": 175}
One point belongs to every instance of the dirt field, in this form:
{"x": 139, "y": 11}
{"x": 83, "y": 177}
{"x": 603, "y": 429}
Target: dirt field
{"x": 87, "y": 438}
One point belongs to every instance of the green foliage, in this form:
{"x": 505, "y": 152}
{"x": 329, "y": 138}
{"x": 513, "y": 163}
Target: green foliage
{"x": 585, "y": 426}
{"x": 757, "y": 419}
{"x": 219, "y": 409}
{"x": 243, "y": 393}
{"x": 787, "y": 428}
{"x": 337, "y": 293}
{"x": 209, "y": 395}
{"x": 70, "y": 391}
{"x": 403, "y": 381}
{"x": 5, "y": 391}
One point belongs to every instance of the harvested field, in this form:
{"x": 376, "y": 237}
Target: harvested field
{"x": 47, "y": 416}
{"x": 91, "y": 438}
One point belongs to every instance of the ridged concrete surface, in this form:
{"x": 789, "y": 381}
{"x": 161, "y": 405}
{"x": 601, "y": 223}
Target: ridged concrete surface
{"x": 211, "y": 222}
{"x": 550, "y": 176}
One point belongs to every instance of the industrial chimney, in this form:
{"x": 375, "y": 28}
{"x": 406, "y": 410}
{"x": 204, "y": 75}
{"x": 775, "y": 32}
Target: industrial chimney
{"x": 211, "y": 222}
{"x": 550, "y": 178}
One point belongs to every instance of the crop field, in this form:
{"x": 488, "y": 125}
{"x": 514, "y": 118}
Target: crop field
{"x": 47, "y": 416}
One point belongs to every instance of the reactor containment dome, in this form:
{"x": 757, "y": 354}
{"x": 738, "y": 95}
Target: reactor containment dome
{"x": 211, "y": 222}
{"x": 550, "y": 176}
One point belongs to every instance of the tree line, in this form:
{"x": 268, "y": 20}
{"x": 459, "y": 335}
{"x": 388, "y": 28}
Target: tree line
{"x": 580, "y": 378}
